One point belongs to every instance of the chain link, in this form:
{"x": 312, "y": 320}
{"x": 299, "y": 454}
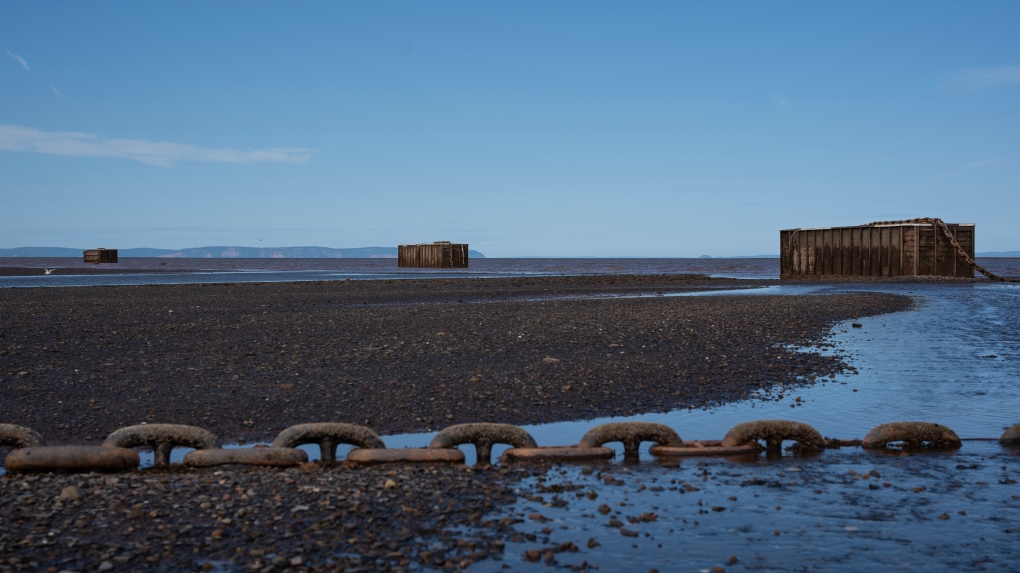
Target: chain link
{"x": 952, "y": 239}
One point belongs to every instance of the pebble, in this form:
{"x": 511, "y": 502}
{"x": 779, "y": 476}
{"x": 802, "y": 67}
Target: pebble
{"x": 70, "y": 493}
{"x": 244, "y": 516}
{"x": 297, "y": 350}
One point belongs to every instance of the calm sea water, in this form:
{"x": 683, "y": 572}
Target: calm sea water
{"x": 179, "y": 271}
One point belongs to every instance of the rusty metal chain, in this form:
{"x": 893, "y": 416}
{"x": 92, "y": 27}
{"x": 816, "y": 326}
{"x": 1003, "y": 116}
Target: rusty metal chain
{"x": 743, "y": 439}
{"x": 956, "y": 245}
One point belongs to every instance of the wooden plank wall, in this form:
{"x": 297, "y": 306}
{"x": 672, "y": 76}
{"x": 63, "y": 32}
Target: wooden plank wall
{"x": 459, "y": 258}
{"x": 945, "y": 259}
{"x": 965, "y": 236}
{"x": 96, "y": 256}
{"x": 909, "y": 250}
{"x": 420, "y": 256}
{"x": 875, "y": 251}
{"x": 926, "y": 250}
{"x": 785, "y": 254}
{"x": 433, "y": 255}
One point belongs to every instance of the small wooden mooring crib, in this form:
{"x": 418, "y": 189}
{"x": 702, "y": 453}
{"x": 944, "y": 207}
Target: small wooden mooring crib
{"x": 438, "y": 255}
{"x": 885, "y": 249}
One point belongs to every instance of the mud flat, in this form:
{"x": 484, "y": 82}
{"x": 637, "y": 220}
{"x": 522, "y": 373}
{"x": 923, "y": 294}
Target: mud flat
{"x": 248, "y": 360}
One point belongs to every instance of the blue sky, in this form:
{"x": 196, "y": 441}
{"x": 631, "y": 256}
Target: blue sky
{"x": 666, "y": 129}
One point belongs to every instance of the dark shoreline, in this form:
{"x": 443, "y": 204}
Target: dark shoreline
{"x": 248, "y": 360}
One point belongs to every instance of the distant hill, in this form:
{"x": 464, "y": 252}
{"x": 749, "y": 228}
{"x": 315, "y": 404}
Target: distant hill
{"x": 1001, "y": 254}
{"x": 40, "y": 252}
{"x": 226, "y": 253}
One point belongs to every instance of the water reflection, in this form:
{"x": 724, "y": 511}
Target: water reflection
{"x": 845, "y": 510}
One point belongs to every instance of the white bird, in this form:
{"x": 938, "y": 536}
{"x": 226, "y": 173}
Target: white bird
{"x": 260, "y": 240}
{"x": 48, "y": 271}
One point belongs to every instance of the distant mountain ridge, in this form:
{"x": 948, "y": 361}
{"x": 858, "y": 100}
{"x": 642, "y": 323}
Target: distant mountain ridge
{"x": 226, "y": 253}
{"x": 1000, "y": 254}
{"x": 311, "y": 253}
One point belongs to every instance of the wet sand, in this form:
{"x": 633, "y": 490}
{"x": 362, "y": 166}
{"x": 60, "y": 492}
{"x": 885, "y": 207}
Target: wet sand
{"x": 248, "y": 360}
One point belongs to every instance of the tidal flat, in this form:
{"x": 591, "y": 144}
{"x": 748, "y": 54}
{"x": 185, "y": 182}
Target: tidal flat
{"x": 248, "y": 360}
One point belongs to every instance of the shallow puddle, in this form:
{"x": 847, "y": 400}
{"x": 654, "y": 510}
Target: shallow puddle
{"x": 844, "y": 510}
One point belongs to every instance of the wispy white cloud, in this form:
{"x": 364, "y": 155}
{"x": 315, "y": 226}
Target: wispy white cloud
{"x": 976, "y": 79}
{"x": 969, "y": 167}
{"x": 160, "y": 153}
{"x": 19, "y": 59}
{"x": 56, "y": 91}
{"x": 982, "y": 163}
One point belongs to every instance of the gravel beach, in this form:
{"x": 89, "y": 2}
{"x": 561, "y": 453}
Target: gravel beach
{"x": 309, "y": 518}
{"x": 248, "y": 360}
